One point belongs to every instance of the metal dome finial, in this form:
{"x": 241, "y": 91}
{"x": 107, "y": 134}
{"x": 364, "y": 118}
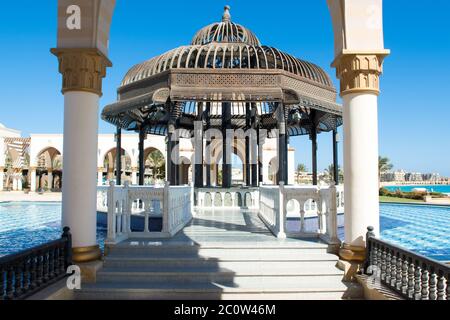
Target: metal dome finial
{"x": 226, "y": 15}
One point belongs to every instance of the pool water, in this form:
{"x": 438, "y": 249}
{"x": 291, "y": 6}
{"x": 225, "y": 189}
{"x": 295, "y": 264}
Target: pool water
{"x": 422, "y": 229}
{"x": 434, "y": 188}
{"x": 24, "y": 225}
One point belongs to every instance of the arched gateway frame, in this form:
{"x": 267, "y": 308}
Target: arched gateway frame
{"x": 224, "y": 65}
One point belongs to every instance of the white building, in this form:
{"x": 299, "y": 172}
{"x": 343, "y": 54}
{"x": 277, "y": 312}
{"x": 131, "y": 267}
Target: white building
{"x": 43, "y": 170}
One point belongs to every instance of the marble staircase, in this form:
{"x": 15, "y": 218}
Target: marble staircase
{"x": 220, "y": 255}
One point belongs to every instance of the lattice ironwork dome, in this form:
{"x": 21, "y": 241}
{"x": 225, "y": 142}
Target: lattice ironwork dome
{"x": 226, "y": 45}
{"x": 225, "y": 31}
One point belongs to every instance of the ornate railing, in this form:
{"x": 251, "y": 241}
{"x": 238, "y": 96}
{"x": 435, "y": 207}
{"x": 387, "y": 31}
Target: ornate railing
{"x": 232, "y": 198}
{"x": 411, "y": 275}
{"x": 276, "y": 201}
{"x": 25, "y": 273}
{"x": 132, "y": 208}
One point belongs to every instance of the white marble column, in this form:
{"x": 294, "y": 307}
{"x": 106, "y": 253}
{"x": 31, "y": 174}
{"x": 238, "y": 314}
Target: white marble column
{"x": 83, "y": 71}
{"x": 359, "y": 74}
{"x": 361, "y": 166}
{"x": 100, "y": 177}
{"x": 49, "y": 179}
{"x": 19, "y": 182}
{"x": 134, "y": 176}
{"x": 80, "y": 167}
{"x": 33, "y": 179}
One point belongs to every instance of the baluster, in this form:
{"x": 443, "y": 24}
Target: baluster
{"x": 398, "y": 282}
{"x": 405, "y": 267}
{"x": 383, "y": 263}
{"x": 441, "y": 287}
{"x": 62, "y": 259}
{"x": 374, "y": 257}
{"x": 388, "y": 266}
{"x": 26, "y": 275}
{"x": 417, "y": 282}
{"x": 448, "y": 286}
{"x": 146, "y": 222}
{"x": 379, "y": 261}
{"x": 425, "y": 287}
{"x": 2, "y": 284}
{"x": 433, "y": 285}
{"x": 45, "y": 267}
{"x": 9, "y": 283}
{"x": 411, "y": 273}
{"x": 393, "y": 269}
{"x": 40, "y": 270}
{"x": 302, "y": 219}
{"x": 33, "y": 271}
{"x": 18, "y": 280}
{"x": 56, "y": 261}
{"x": 51, "y": 263}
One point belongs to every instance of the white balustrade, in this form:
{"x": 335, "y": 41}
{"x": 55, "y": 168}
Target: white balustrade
{"x": 307, "y": 205}
{"x": 292, "y": 211}
{"x": 131, "y": 208}
{"x": 229, "y": 199}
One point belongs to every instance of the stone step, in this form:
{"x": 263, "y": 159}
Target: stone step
{"x": 221, "y": 254}
{"x": 317, "y": 290}
{"x": 230, "y": 261}
{"x": 181, "y": 274}
{"x": 264, "y": 249}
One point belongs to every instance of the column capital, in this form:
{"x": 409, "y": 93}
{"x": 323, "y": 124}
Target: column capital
{"x": 359, "y": 72}
{"x": 82, "y": 69}
{"x": 32, "y": 168}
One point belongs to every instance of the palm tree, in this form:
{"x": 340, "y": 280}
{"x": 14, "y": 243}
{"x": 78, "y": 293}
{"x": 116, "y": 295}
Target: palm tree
{"x": 384, "y": 165}
{"x": 157, "y": 163}
{"x": 329, "y": 173}
{"x": 301, "y": 168}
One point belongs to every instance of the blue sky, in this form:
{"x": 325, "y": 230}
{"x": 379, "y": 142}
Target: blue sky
{"x": 414, "y": 108}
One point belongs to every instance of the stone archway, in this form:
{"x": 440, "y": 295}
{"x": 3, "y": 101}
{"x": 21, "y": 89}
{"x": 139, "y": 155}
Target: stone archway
{"x": 48, "y": 174}
{"x": 359, "y": 51}
{"x": 155, "y": 166}
{"x": 110, "y": 166}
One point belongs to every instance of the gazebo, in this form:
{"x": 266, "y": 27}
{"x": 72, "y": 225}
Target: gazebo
{"x": 226, "y": 80}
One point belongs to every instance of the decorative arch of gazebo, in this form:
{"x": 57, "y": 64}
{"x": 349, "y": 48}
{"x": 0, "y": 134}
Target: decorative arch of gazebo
{"x": 226, "y": 80}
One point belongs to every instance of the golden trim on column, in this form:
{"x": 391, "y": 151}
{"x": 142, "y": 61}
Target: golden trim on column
{"x": 86, "y": 254}
{"x": 82, "y": 69}
{"x": 360, "y": 72}
{"x": 100, "y": 170}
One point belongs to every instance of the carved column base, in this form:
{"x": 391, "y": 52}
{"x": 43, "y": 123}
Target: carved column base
{"x": 352, "y": 253}
{"x": 86, "y": 254}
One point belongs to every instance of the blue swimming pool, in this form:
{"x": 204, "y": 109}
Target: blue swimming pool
{"x": 422, "y": 229}
{"x": 28, "y": 224}
{"x": 419, "y": 228}
{"x": 433, "y": 188}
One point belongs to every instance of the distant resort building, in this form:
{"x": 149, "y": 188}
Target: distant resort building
{"x": 36, "y": 163}
{"x": 401, "y": 176}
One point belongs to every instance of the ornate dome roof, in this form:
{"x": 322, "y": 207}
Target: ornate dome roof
{"x": 225, "y": 32}
{"x": 226, "y": 45}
